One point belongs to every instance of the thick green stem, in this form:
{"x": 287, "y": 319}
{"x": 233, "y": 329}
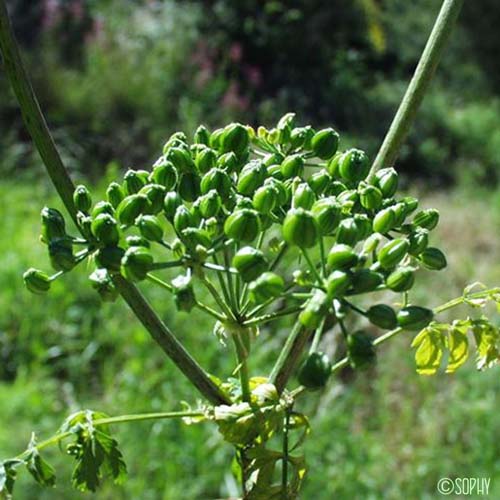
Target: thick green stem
{"x": 417, "y": 88}
{"x": 38, "y": 129}
{"x": 242, "y": 355}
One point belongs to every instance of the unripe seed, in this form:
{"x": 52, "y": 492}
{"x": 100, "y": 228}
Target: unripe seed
{"x": 150, "y": 227}
{"x": 427, "y": 219}
{"x": 165, "y": 175}
{"x": 171, "y": 202}
{"x": 135, "y": 180}
{"x": 36, "y": 281}
{"x": 267, "y": 286}
{"x": 130, "y": 208}
{"x": 114, "y": 194}
{"x": 189, "y": 186}
{"x": 300, "y": 228}
{"x": 136, "y": 263}
{"x": 384, "y": 221}
{"x": 250, "y": 263}
{"x": 414, "y": 317}
{"x": 360, "y": 350}
{"x": 433, "y": 258}
{"x": 324, "y": 143}
{"x": 53, "y": 225}
{"x": 337, "y": 284}
{"x": 242, "y": 225}
{"x": 105, "y": 228}
{"x": 292, "y": 166}
{"x": 315, "y": 371}
{"x": 82, "y": 198}
{"x": 393, "y": 252}
{"x": 353, "y": 165}
{"x": 383, "y": 316}
{"x": 303, "y": 197}
{"x": 342, "y": 257}
{"x": 401, "y": 280}
{"x": 386, "y": 180}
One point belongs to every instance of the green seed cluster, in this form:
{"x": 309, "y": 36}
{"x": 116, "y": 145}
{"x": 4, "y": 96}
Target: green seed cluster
{"x": 229, "y": 204}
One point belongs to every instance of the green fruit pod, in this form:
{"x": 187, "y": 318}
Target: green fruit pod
{"x": 202, "y": 135}
{"x": 250, "y": 178}
{"x": 327, "y": 214}
{"x": 242, "y": 225}
{"x": 332, "y": 167}
{"x": 189, "y": 187}
{"x": 193, "y": 237}
{"x": 319, "y": 182}
{"x": 136, "y": 263}
{"x": 171, "y": 202}
{"x": 267, "y": 286}
{"x": 150, "y": 227}
{"x": 101, "y": 282}
{"x": 364, "y": 225}
{"x": 401, "y": 280}
{"x": 184, "y": 296}
{"x": 230, "y": 162}
{"x": 183, "y": 219}
{"x": 235, "y": 138}
{"x": 301, "y": 137}
{"x": 105, "y": 228}
{"x": 410, "y": 203}
{"x": 180, "y": 157}
{"x": 315, "y": 371}
{"x": 335, "y": 188}
{"x": 303, "y": 197}
{"x": 365, "y": 281}
{"x": 265, "y": 198}
{"x": 384, "y": 221}
{"x": 292, "y": 166}
{"x": 82, "y": 198}
{"x": 155, "y": 193}
{"x": 337, "y": 284}
{"x": 283, "y": 194}
{"x": 250, "y": 263}
{"x": 137, "y": 241}
{"x": 164, "y": 175}
{"x": 433, "y": 258}
{"x": 61, "y": 254}
{"x": 206, "y": 159}
{"x": 285, "y": 126}
{"x": 210, "y": 204}
{"x": 428, "y": 219}
{"x": 386, "y": 180}
{"x": 348, "y": 232}
{"x": 36, "y": 281}
{"x": 324, "y": 143}
{"x": 360, "y": 350}
{"x": 383, "y": 316}
{"x": 414, "y": 317}
{"x": 109, "y": 258}
{"x": 353, "y": 166}
{"x": 102, "y": 207}
{"x": 370, "y": 197}
{"x": 135, "y": 180}
{"x": 130, "y": 208}
{"x": 342, "y": 257}
{"x": 315, "y": 310}
{"x": 114, "y": 194}
{"x": 419, "y": 239}
{"x": 216, "y": 179}
{"x": 393, "y": 252}
{"x": 215, "y": 138}
{"x": 53, "y": 225}
{"x": 300, "y": 229}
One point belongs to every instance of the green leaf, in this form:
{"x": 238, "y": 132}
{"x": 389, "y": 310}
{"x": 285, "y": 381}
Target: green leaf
{"x": 429, "y": 344}
{"x": 458, "y": 344}
{"x": 42, "y": 472}
{"x": 8, "y": 476}
{"x": 487, "y": 338}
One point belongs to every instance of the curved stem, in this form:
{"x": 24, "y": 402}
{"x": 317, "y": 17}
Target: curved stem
{"x": 418, "y": 85}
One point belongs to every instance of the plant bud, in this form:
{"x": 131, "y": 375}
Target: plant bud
{"x": 382, "y": 316}
{"x": 386, "y": 180}
{"x": 210, "y": 204}
{"x": 315, "y": 371}
{"x": 428, "y": 219}
{"x": 250, "y": 263}
{"x": 109, "y": 258}
{"x": 130, "y": 208}
{"x": 393, "y": 252}
{"x": 135, "y": 180}
{"x": 267, "y": 286}
{"x": 206, "y": 159}
{"x": 300, "y": 228}
{"x": 114, "y": 194}
{"x": 337, "y": 284}
{"x": 370, "y": 197}
{"x": 360, "y": 350}
{"x": 136, "y": 263}
{"x": 102, "y": 283}
{"x": 315, "y": 310}
{"x": 242, "y": 225}
{"x": 265, "y": 198}
{"x": 292, "y": 166}
{"x": 354, "y": 165}
{"x": 105, "y": 228}
{"x": 327, "y": 214}
{"x": 184, "y": 295}
{"x": 342, "y": 257}
{"x": 61, "y": 254}
{"x": 171, "y": 202}
{"x": 433, "y": 258}
{"x": 189, "y": 187}
{"x": 325, "y": 143}
{"x": 384, "y": 221}
{"x": 414, "y": 317}
{"x": 150, "y": 227}
{"x": 202, "y": 135}
{"x": 82, "y": 198}
{"x": 216, "y": 179}
{"x": 235, "y": 138}
{"x": 53, "y": 225}
{"x": 365, "y": 280}
{"x": 164, "y": 175}
{"x": 401, "y": 280}
{"x": 418, "y": 241}
{"x": 348, "y": 232}
{"x": 183, "y": 218}
{"x": 36, "y": 281}
{"x": 303, "y": 197}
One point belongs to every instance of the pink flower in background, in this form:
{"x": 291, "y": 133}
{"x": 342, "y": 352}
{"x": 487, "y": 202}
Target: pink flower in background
{"x": 253, "y": 75}
{"x": 232, "y": 98}
{"x": 51, "y": 13}
{"x": 77, "y": 9}
{"x": 235, "y": 52}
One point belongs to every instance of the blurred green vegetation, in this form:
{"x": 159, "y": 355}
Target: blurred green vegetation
{"x": 115, "y": 79}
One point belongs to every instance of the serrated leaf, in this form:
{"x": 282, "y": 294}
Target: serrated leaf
{"x": 458, "y": 345}
{"x": 42, "y": 472}
{"x": 8, "y": 475}
{"x": 429, "y": 344}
